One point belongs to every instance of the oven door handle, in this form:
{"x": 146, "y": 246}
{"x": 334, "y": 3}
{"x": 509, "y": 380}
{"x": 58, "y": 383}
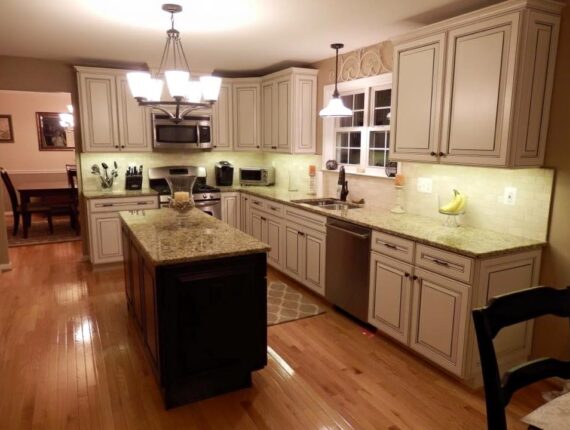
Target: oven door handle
{"x": 202, "y": 203}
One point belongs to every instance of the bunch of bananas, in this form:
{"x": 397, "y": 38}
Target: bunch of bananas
{"x": 456, "y": 205}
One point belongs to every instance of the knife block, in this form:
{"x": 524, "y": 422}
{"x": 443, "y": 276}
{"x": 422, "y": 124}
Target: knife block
{"x": 133, "y": 182}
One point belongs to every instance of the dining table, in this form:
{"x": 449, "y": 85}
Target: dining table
{"x": 55, "y": 190}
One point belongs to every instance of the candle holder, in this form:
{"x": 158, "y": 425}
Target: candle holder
{"x": 181, "y": 199}
{"x": 399, "y": 208}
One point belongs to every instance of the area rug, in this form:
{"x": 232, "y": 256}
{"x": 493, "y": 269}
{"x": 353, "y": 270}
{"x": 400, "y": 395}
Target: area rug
{"x": 38, "y": 233}
{"x": 286, "y": 304}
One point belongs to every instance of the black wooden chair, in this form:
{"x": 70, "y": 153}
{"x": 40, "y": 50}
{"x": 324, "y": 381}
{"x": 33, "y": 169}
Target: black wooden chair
{"x": 71, "y": 170}
{"x": 503, "y": 311}
{"x": 16, "y": 209}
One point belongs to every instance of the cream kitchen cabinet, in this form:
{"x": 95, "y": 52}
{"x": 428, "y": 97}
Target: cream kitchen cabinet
{"x": 222, "y": 121}
{"x": 485, "y": 78}
{"x": 111, "y": 119}
{"x": 246, "y": 114}
{"x": 244, "y": 213}
{"x": 231, "y": 209}
{"x": 423, "y": 296}
{"x": 288, "y": 111}
{"x": 105, "y": 225}
{"x": 268, "y": 229}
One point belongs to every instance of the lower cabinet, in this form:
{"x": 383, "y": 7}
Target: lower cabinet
{"x": 268, "y": 229}
{"x": 105, "y": 225}
{"x": 244, "y": 213}
{"x": 440, "y": 315}
{"x": 231, "y": 209}
{"x": 305, "y": 256}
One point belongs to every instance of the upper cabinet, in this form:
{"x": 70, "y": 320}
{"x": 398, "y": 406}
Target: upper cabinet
{"x": 288, "y": 111}
{"x": 475, "y": 90}
{"x": 111, "y": 119}
{"x": 222, "y": 120}
{"x": 246, "y": 115}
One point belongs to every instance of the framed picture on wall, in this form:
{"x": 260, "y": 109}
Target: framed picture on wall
{"x": 51, "y": 135}
{"x": 6, "y": 131}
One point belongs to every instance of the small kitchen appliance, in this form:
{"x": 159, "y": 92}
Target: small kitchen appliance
{"x": 256, "y": 176}
{"x": 192, "y": 132}
{"x": 206, "y": 197}
{"x": 224, "y": 174}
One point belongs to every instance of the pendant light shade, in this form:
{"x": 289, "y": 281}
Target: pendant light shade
{"x": 335, "y": 108}
{"x": 210, "y": 87}
{"x": 177, "y": 82}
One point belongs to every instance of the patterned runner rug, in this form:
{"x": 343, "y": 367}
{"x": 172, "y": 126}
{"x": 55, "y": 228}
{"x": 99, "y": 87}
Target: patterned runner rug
{"x": 287, "y": 304}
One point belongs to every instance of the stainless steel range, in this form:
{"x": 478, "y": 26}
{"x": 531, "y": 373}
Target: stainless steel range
{"x": 206, "y": 197}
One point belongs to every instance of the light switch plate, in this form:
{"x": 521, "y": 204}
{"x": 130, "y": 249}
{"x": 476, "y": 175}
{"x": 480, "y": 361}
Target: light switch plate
{"x": 510, "y": 196}
{"x": 424, "y": 185}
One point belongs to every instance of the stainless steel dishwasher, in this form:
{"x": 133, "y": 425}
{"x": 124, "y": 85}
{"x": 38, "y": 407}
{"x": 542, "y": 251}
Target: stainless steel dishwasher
{"x": 348, "y": 267}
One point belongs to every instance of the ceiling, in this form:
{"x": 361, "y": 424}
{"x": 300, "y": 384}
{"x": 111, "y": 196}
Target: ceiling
{"x": 223, "y": 35}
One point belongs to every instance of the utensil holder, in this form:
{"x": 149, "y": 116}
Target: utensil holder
{"x": 133, "y": 182}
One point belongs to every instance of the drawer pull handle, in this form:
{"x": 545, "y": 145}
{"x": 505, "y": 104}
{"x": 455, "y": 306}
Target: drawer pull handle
{"x": 141, "y": 203}
{"x": 256, "y": 203}
{"x": 273, "y": 208}
{"x": 441, "y": 262}
{"x": 391, "y": 246}
{"x": 107, "y": 205}
{"x": 300, "y": 233}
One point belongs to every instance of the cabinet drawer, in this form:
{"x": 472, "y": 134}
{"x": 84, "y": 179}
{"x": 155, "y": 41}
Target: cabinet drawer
{"x": 123, "y": 204}
{"x": 274, "y": 208}
{"x": 393, "y": 246}
{"x": 257, "y": 202}
{"x": 445, "y": 263}
{"x": 306, "y": 219}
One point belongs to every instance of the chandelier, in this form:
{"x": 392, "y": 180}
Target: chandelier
{"x": 187, "y": 94}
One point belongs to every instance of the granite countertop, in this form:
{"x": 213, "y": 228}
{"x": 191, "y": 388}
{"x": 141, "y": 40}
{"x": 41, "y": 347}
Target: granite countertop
{"x": 117, "y": 193}
{"x": 468, "y": 241}
{"x": 169, "y": 238}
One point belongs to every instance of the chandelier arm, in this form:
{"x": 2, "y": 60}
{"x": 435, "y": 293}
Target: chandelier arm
{"x": 194, "y": 107}
{"x": 155, "y": 106}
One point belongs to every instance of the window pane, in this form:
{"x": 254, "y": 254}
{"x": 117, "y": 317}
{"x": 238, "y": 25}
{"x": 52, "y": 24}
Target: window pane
{"x": 355, "y": 140}
{"x": 358, "y": 119}
{"x": 347, "y": 101}
{"x": 359, "y": 101}
{"x": 382, "y": 98}
{"x": 342, "y": 155}
{"x": 377, "y": 139}
{"x": 381, "y": 117}
{"x": 354, "y": 156}
{"x": 387, "y": 139}
{"x": 346, "y": 121}
{"x": 342, "y": 139}
{"x": 377, "y": 158}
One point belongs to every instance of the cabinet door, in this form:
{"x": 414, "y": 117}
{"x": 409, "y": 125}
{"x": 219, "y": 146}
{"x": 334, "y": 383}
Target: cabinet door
{"x": 479, "y": 90}
{"x": 246, "y": 103}
{"x": 150, "y": 320}
{"x": 99, "y": 129}
{"x": 282, "y": 115}
{"x": 272, "y": 237}
{"x": 390, "y": 295}
{"x": 244, "y": 213}
{"x": 314, "y": 254}
{"x": 268, "y": 142}
{"x": 416, "y": 99}
{"x": 230, "y": 209}
{"x": 222, "y": 119}
{"x": 136, "y": 277}
{"x": 439, "y": 320}
{"x": 256, "y": 225}
{"x": 303, "y": 113}
{"x": 134, "y": 120}
{"x": 105, "y": 238}
{"x": 127, "y": 267}
{"x": 293, "y": 255}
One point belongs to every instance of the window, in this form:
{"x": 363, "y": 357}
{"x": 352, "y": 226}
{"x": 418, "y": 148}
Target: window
{"x": 361, "y": 142}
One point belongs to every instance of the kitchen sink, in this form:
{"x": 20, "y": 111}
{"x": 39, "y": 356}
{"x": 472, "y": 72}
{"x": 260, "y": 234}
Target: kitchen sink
{"x": 327, "y": 203}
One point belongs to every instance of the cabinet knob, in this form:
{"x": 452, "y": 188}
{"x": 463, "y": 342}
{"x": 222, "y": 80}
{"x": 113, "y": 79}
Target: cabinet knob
{"x": 415, "y": 278}
{"x": 215, "y": 146}
{"x": 117, "y": 146}
{"x": 257, "y": 146}
{"x": 122, "y": 146}
{"x": 300, "y": 233}
{"x": 273, "y": 147}
{"x": 407, "y": 275}
{"x": 433, "y": 154}
{"x": 442, "y": 154}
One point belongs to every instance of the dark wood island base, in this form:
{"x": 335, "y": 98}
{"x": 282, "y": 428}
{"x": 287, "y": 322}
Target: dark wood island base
{"x": 203, "y": 324}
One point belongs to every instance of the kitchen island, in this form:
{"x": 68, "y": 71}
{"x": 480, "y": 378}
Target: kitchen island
{"x": 196, "y": 290}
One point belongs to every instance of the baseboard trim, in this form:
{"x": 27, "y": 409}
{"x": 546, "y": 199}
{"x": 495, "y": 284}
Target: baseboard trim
{"x": 5, "y": 267}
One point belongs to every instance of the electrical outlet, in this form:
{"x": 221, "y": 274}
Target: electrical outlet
{"x": 424, "y": 185}
{"x": 510, "y": 196}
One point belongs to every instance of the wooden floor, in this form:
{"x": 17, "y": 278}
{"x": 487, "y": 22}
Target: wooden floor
{"x": 70, "y": 358}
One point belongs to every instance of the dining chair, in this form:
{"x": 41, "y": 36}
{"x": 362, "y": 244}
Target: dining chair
{"x": 71, "y": 170}
{"x": 17, "y": 210}
{"x": 503, "y": 311}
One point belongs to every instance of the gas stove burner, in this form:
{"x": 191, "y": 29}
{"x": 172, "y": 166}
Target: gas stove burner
{"x": 204, "y": 188}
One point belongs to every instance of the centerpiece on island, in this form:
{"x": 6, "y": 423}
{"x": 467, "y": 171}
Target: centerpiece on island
{"x": 181, "y": 199}
{"x": 106, "y": 178}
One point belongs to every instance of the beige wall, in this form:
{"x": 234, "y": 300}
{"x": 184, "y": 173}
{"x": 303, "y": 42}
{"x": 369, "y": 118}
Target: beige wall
{"x": 552, "y": 335}
{"x": 4, "y": 258}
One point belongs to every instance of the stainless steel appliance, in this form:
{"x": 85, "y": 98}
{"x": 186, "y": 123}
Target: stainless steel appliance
{"x": 224, "y": 174}
{"x": 192, "y": 132}
{"x": 206, "y": 197}
{"x": 256, "y": 175}
{"x": 348, "y": 267}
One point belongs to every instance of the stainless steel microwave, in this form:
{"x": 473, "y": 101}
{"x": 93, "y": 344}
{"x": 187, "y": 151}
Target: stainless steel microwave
{"x": 193, "y": 132}
{"x": 256, "y": 175}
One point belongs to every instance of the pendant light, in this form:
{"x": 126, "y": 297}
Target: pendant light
{"x": 335, "y": 108}
{"x": 187, "y": 93}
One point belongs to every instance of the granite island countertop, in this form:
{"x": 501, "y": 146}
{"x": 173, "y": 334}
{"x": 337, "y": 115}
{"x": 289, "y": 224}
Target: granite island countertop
{"x": 169, "y": 238}
{"x": 468, "y": 241}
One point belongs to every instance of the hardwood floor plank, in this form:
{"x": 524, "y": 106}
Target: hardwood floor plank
{"x": 70, "y": 357}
